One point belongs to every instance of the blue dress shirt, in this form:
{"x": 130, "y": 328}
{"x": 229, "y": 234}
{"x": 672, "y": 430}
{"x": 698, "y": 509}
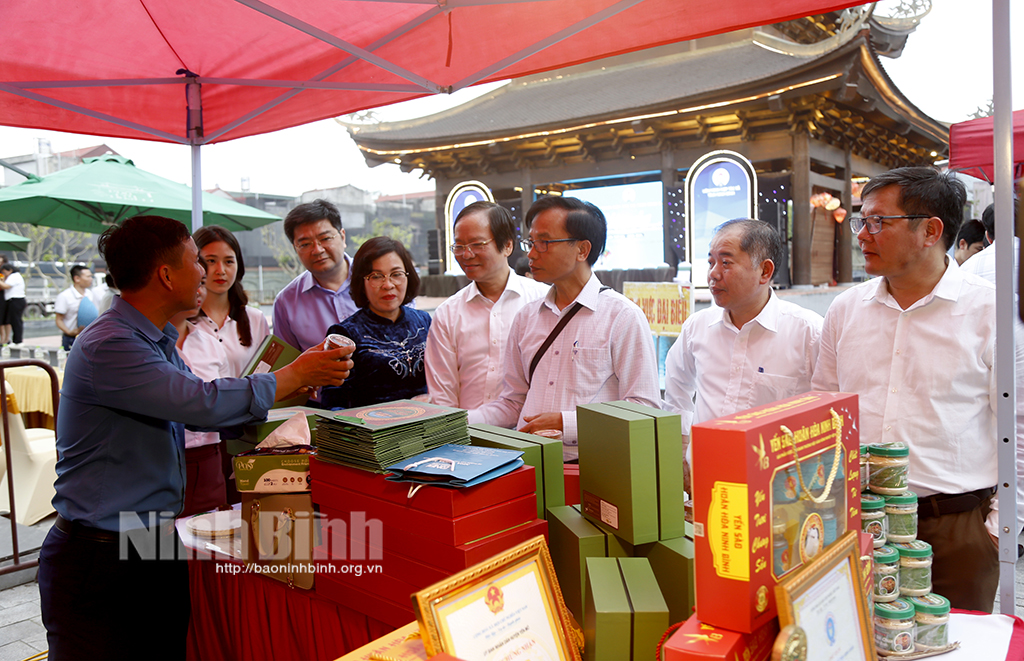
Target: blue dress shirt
{"x": 120, "y": 427}
{"x": 303, "y": 310}
{"x": 389, "y": 359}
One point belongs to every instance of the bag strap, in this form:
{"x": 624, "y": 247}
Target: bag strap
{"x": 553, "y": 335}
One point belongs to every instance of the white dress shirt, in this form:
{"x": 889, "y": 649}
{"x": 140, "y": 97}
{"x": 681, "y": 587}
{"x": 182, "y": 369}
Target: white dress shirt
{"x": 466, "y": 345}
{"x": 925, "y": 376}
{"x": 67, "y": 302}
{"x": 236, "y": 355}
{"x": 733, "y": 369}
{"x": 605, "y": 353}
{"x": 205, "y": 356}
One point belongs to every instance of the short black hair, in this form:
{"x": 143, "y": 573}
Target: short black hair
{"x": 77, "y": 269}
{"x": 926, "y": 191}
{"x": 311, "y": 212}
{"x": 134, "y": 249}
{"x": 584, "y": 221}
{"x": 362, "y": 266}
{"x": 503, "y": 227}
{"x": 972, "y": 231}
{"x": 759, "y": 240}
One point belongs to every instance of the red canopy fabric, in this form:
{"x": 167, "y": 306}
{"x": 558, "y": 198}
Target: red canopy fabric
{"x": 970, "y": 147}
{"x": 109, "y": 67}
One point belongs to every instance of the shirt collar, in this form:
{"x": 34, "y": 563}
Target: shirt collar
{"x": 513, "y": 284}
{"x": 768, "y": 317}
{"x": 948, "y": 288}
{"x": 587, "y": 297}
{"x": 139, "y": 321}
{"x": 308, "y": 281}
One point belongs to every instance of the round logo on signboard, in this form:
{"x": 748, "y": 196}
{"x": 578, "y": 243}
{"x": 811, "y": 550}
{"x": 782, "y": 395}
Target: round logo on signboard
{"x": 720, "y": 177}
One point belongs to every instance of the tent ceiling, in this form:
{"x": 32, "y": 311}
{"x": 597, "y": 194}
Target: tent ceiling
{"x": 119, "y": 67}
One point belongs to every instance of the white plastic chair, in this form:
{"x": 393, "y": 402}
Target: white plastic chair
{"x": 34, "y": 460}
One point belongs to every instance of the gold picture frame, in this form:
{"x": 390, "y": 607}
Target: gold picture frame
{"x": 825, "y": 598}
{"x": 511, "y": 601}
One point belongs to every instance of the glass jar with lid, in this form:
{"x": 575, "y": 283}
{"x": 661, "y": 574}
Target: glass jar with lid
{"x": 915, "y": 568}
{"x": 901, "y": 515}
{"x": 873, "y": 520}
{"x": 931, "y": 616}
{"x": 887, "y": 468}
{"x": 886, "y": 574}
{"x": 894, "y": 627}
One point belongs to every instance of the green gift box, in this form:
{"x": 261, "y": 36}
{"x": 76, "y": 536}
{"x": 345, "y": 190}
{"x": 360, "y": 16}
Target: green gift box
{"x": 668, "y": 447}
{"x": 544, "y": 454}
{"x": 572, "y": 539}
{"x": 672, "y": 563}
{"x": 273, "y": 354}
{"x": 618, "y": 471}
{"x": 626, "y": 614}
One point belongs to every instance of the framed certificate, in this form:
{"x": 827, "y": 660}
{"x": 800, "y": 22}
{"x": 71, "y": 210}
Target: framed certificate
{"x": 507, "y": 607}
{"x": 826, "y": 600}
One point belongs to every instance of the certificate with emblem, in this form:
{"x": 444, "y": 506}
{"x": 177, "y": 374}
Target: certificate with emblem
{"x": 509, "y": 607}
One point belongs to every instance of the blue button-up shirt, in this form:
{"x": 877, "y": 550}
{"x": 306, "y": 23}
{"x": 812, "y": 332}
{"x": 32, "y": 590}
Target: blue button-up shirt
{"x": 125, "y": 400}
{"x": 303, "y": 310}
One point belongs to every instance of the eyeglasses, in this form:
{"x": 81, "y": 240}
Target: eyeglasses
{"x": 325, "y": 241}
{"x": 540, "y": 244}
{"x": 874, "y": 223}
{"x": 397, "y": 278}
{"x": 459, "y": 249}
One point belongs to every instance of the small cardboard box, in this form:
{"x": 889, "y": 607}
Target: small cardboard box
{"x": 544, "y": 454}
{"x": 668, "y": 447}
{"x": 282, "y": 532}
{"x": 697, "y": 641}
{"x": 753, "y": 495}
{"x": 258, "y": 432}
{"x": 625, "y": 612}
{"x": 274, "y": 470}
{"x": 618, "y": 471}
{"x": 672, "y": 563}
{"x": 573, "y": 539}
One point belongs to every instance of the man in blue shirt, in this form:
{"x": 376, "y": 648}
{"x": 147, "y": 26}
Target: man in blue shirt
{"x": 120, "y": 441}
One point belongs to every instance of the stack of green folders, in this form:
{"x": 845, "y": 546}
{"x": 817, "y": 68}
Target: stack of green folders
{"x": 373, "y": 437}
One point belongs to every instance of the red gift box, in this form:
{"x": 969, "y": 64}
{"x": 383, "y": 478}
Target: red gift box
{"x": 336, "y": 548}
{"x": 372, "y": 605}
{"x": 446, "y": 530}
{"x": 698, "y": 641}
{"x": 444, "y": 501}
{"x": 443, "y": 556}
{"x": 572, "y": 484}
{"x": 757, "y": 477}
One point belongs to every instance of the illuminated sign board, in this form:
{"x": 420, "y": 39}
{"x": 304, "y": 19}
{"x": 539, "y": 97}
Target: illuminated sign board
{"x": 463, "y": 195}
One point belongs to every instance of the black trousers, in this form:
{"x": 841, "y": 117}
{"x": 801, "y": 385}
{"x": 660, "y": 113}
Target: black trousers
{"x": 15, "y": 308}
{"x": 96, "y": 605}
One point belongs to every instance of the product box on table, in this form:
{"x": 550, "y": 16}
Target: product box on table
{"x": 698, "y": 641}
{"x": 625, "y": 612}
{"x": 755, "y": 512}
{"x": 544, "y": 454}
{"x": 672, "y": 563}
{"x": 257, "y": 432}
{"x": 625, "y": 466}
{"x": 437, "y": 554}
{"x": 282, "y": 532}
{"x": 452, "y": 531}
{"x": 443, "y": 501}
{"x": 273, "y": 354}
{"x": 274, "y": 470}
{"x": 573, "y": 539}
{"x": 571, "y": 476}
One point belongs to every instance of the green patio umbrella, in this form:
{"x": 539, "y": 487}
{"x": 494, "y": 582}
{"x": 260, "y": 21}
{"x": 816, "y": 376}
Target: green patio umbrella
{"x": 12, "y": 242}
{"x": 105, "y": 190}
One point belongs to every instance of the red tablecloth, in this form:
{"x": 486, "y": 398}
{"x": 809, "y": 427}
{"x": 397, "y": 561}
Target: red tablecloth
{"x": 248, "y": 616}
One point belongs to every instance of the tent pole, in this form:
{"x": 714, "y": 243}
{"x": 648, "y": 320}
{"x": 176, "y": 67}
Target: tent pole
{"x": 194, "y": 119}
{"x": 1002, "y": 144}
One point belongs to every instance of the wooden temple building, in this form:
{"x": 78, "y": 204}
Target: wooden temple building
{"x": 807, "y": 102}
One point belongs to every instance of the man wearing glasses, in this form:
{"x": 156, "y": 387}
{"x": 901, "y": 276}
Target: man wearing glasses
{"x": 466, "y": 345}
{"x": 320, "y": 296}
{"x": 917, "y": 345}
{"x": 602, "y": 352}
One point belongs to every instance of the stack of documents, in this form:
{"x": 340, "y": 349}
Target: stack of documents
{"x": 377, "y": 436}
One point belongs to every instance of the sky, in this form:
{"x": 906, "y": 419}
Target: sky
{"x": 945, "y": 70}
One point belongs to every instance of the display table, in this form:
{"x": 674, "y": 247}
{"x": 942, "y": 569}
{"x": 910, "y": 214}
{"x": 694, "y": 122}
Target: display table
{"x": 31, "y": 386}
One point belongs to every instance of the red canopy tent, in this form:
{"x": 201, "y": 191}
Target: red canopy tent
{"x": 970, "y": 147}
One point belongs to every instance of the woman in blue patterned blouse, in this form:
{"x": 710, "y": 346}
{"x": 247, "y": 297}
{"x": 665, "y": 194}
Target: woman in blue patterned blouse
{"x": 390, "y": 336}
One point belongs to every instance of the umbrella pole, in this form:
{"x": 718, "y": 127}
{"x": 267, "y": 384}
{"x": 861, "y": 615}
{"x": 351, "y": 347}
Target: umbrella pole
{"x": 194, "y": 98}
{"x": 1005, "y": 378}
{"x": 197, "y": 190}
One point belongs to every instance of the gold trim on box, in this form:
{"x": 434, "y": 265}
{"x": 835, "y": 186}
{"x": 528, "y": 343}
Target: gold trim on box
{"x": 427, "y": 601}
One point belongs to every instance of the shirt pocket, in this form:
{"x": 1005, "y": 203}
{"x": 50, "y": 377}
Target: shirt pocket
{"x": 768, "y": 388}
{"x": 591, "y": 368}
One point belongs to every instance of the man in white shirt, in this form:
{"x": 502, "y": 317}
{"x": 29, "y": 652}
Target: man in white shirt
{"x": 750, "y": 348}
{"x": 605, "y": 350}
{"x": 70, "y": 301}
{"x": 466, "y": 344}
{"x": 319, "y": 297}
{"x": 918, "y": 346}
